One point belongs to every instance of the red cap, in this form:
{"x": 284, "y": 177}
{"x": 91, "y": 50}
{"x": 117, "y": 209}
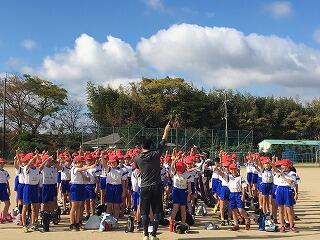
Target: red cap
{"x": 112, "y": 158}
{"x": 27, "y": 157}
{"x": 233, "y": 166}
{"x": 45, "y": 157}
{"x": 38, "y": 163}
{"x": 264, "y": 160}
{"x": 234, "y": 156}
{"x": 79, "y": 158}
{"x": 286, "y": 162}
{"x": 226, "y": 164}
{"x": 189, "y": 159}
{"x": 278, "y": 163}
{"x": 180, "y": 167}
{"x": 88, "y": 157}
{"x": 2, "y": 160}
{"x": 167, "y": 158}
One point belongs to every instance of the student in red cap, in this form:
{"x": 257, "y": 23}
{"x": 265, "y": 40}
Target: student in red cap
{"x": 181, "y": 191}
{"x": 78, "y": 191}
{"x": 116, "y": 186}
{"x": 284, "y": 194}
{"x": 4, "y": 193}
{"x": 189, "y": 161}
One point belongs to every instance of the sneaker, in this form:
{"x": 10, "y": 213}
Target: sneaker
{"x": 25, "y": 229}
{"x": 146, "y": 238}
{"x": 294, "y": 229}
{"x": 34, "y": 228}
{"x": 153, "y": 238}
{"x": 235, "y": 228}
{"x": 223, "y": 223}
{"x": 282, "y": 229}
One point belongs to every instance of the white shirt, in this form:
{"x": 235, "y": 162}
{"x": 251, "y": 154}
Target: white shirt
{"x": 289, "y": 175}
{"x": 21, "y": 175}
{"x": 225, "y": 179}
{"x": 4, "y": 176}
{"x": 136, "y": 181}
{"x": 92, "y": 174}
{"x": 128, "y": 170}
{"x": 65, "y": 173}
{"x": 236, "y": 184}
{"x": 267, "y": 176}
{"x": 180, "y": 181}
{"x": 49, "y": 175}
{"x": 76, "y": 176}
{"x": 193, "y": 175}
{"x": 31, "y": 175}
{"x": 276, "y": 179}
{"x": 115, "y": 176}
{"x": 251, "y": 168}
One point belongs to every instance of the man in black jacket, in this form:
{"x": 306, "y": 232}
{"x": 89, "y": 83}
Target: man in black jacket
{"x": 151, "y": 193}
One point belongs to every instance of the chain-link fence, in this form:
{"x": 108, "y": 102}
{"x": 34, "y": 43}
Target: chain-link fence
{"x": 206, "y": 139}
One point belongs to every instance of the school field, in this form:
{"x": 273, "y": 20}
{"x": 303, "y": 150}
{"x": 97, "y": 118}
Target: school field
{"x": 308, "y": 209}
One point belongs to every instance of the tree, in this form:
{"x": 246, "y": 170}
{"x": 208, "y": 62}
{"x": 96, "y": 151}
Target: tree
{"x": 30, "y": 100}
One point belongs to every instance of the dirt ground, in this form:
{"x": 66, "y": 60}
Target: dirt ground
{"x": 307, "y": 208}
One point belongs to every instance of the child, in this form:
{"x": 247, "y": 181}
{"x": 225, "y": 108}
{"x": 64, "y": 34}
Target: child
{"x": 31, "y": 190}
{"x": 4, "y": 193}
{"x": 136, "y": 186}
{"x": 284, "y": 194}
{"x": 77, "y": 191}
{"x": 181, "y": 191}
{"x": 92, "y": 187}
{"x": 237, "y": 186}
{"x": 65, "y": 165}
{"x": 224, "y": 191}
{"x": 189, "y": 161}
{"x": 128, "y": 169}
{"x": 115, "y": 188}
{"x": 215, "y": 183}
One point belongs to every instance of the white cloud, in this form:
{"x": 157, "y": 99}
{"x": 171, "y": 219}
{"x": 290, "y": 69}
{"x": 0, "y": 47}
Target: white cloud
{"x": 156, "y": 5}
{"x": 207, "y": 56}
{"x": 29, "y": 44}
{"x": 280, "y": 9}
{"x": 316, "y": 35}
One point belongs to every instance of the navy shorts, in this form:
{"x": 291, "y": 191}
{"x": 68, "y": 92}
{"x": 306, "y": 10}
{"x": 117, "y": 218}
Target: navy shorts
{"x": 259, "y": 183}
{"x": 40, "y": 195}
{"x": 114, "y": 193}
{"x": 179, "y": 196}
{"x": 193, "y": 189}
{"x": 77, "y": 192}
{"x": 4, "y": 196}
{"x": 135, "y": 199}
{"x": 90, "y": 191}
{"x": 20, "y": 191}
{"x": 215, "y": 185}
{"x": 65, "y": 186}
{"x": 30, "y": 194}
{"x": 235, "y": 200}
{"x": 252, "y": 178}
{"x": 129, "y": 183}
{"x": 224, "y": 193}
{"x": 49, "y": 192}
{"x": 284, "y": 196}
{"x": 16, "y": 183}
{"x": 58, "y": 177}
{"x": 266, "y": 189}
{"x": 103, "y": 182}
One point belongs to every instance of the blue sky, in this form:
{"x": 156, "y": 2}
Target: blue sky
{"x": 35, "y": 30}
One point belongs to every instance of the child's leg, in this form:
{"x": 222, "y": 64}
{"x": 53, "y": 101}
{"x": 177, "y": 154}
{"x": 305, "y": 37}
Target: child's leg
{"x": 24, "y": 214}
{"x": 6, "y": 208}
{"x": 290, "y": 215}
{"x": 116, "y": 210}
{"x": 93, "y": 206}
{"x": 103, "y": 196}
{"x": 64, "y": 198}
{"x": 264, "y": 204}
{"x": 235, "y": 217}
{"x": 33, "y": 213}
{"x": 281, "y": 215}
{"x": 74, "y": 206}
{"x": 174, "y": 211}
{"x": 79, "y": 212}
{"x": 87, "y": 207}
{"x": 223, "y": 204}
{"x": 183, "y": 214}
{"x": 110, "y": 208}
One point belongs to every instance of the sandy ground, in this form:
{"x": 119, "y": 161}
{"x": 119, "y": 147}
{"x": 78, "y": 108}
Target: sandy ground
{"x": 308, "y": 209}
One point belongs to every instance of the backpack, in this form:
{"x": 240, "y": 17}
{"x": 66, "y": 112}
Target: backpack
{"x": 181, "y": 228}
{"x": 93, "y": 223}
{"x": 189, "y": 218}
{"x": 129, "y": 225}
{"x": 270, "y": 226}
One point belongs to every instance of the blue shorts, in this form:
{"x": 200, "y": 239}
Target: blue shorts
{"x": 58, "y": 177}
{"x": 77, "y": 192}
{"x": 49, "y": 192}
{"x": 135, "y": 199}
{"x": 274, "y": 189}
{"x": 235, "y": 200}
{"x": 114, "y": 193}
{"x": 215, "y": 185}
{"x": 266, "y": 189}
{"x": 4, "y": 196}
{"x": 90, "y": 191}
{"x": 252, "y": 178}
{"x": 103, "y": 182}
{"x": 259, "y": 183}
{"x": 129, "y": 183}
{"x": 30, "y": 194}
{"x": 65, "y": 186}
{"x": 193, "y": 189}
{"x": 179, "y": 196}
{"x": 20, "y": 191}
{"x": 284, "y": 196}
{"x": 16, "y": 183}
{"x": 224, "y": 193}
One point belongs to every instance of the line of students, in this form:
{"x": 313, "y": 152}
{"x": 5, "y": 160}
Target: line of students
{"x": 115, "y": 178}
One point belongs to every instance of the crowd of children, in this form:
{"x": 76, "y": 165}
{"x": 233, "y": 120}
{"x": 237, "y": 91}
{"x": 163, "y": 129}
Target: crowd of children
{"x": 84, "y": 180}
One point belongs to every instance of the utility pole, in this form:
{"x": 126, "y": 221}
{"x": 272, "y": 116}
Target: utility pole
{"x": 4, "y": 116}
{"x": 226, "y": 121}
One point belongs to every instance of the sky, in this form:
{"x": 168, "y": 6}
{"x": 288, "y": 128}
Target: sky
{"x": 262, "y": 47}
